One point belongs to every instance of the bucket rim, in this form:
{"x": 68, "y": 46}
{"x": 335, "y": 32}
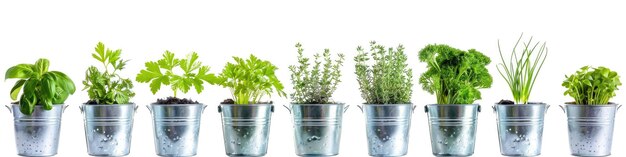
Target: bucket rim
{"x": 452, "y": 105}
{"x": 41, "y": 106}
{"x": 536, "y": 104}
{"x": 317, "y": 104}
{"x": 129, "y": 104}
{"x": 155, "y": 104}
{"x": 410, "y": 104}
{"x": 246, "y": 104}
{"x": 594, "y": 105}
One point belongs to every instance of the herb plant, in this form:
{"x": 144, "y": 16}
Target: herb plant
{"x": 315, "y": 85}
{"x": 107, "y": 87}
{"x": 40, "y": 86}
{"x": 249, "y": 80}
{"x": 521, "y": 71}
{"x": 162, "y": 72}
{"x": 592, "y": 86}
{"x": 454, "y": 75}
{"x": 388, "y": 80}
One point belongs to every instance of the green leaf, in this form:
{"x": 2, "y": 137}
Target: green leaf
{"x": 64, "y": 82}
{"x": 16, "y": 89}
{"x": 27, "y": 103}
{"x": 48, "y": 87}
{"x": 152, "y": 71}
{"x": 42, "y": 65}
{"x": 20, "y": 71}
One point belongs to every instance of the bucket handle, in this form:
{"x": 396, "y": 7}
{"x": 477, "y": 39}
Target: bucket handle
{"x": 219, "y": 108}
{"x": 11, "y": 111}
{"x": 82, "y": 110}
{"x": 360, "y": 107}
{"x": 619, "y": 106}
{"x": 479, "y": 108}
{"x": 346, "y": 108}
{"x": 149, "y": 109}
{"x": 204, "y": 108}
{"x": 562, "y": 108}
{"x": 65, "y": 107}
{"x": 426, "y": 108}
{"x": 494, "y": 108}
{"x": 135, "y": 108}
{"x": 413, "y": 109}
{"x": 288, "y": 109}
{"x": 547, "y": 107}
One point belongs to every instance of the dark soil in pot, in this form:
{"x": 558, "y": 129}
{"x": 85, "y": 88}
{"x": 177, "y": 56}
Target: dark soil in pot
{"x": 175, "y": 100}
{"x": 509, "y": 102}
{"x": 231, "y": 101}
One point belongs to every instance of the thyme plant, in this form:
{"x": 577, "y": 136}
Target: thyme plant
{"x": 315, "y": 85}
{"x": 388, "y": 80}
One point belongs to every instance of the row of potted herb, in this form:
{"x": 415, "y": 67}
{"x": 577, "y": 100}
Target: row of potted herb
{"x": 453, "y": 75}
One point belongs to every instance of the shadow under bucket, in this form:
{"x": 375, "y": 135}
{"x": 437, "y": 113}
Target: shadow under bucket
{"x": 37, "y": 134}
{"x": 387, "y": 128}
{"x": 246, "y": 128}
{"x": 590, "y": 128}
{"x": 520, "y": 128}
{"x": 317, "y": 128}
{"x": 176, "y": 128}
{"x": 108, "y": 128}
{"x": 452, "y": 128}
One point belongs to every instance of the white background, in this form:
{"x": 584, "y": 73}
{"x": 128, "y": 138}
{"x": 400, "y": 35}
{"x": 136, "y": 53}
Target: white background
{"x": 65, "y": 32}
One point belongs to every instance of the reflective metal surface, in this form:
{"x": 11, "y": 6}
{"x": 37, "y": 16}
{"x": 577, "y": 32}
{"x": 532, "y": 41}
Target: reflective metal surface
{"x": 37, "y": 134}
{"x": 176, "y": 128}
{"x": 590, "y": 129}
{"x": 108, "y": 128}
{"x": 452, "y": 129}
{"x": 317, "y": 128}
{"x": 520, "y": 128}
{"x": 387, "y": 127}
{"x": 246, "y": 128}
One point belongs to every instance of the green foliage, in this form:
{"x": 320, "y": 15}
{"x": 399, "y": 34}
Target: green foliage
{"x": 194, "y": 73}
{"x": 249, "y": 80}
{"x": 522, "y": 69}
{"x": 388, "y": 80}
{"x": 317, "y": 84}
{"x": 39, "y": 86}
{"x": 108, "y": 87}
{"x": 592, "y": 86}
{"x": 454, "y": 75}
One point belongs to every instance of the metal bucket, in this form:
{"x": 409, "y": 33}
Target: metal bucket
{"x": 520, "y": 128}
{"x": 108, "y": 128}
{"x": 246, "y": 128}
{"x": 590, "y": 128}
{"x": 317, "y": 128}
{"x": 387, "y": 128}
{"x": 37, "y": 134}
{"x": 452, "y": 128}
{"x": 176, "y": 128}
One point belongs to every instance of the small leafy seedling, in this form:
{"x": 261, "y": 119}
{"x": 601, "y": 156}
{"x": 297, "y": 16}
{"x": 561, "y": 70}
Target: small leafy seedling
{"x": 249, "y": 80}
{"x": 388, "y": 80}
{"x": 40, "y": 86}
{"x": 454, "y": 75}
{"x": 107, "y": 87}
{"x": 521, "y": 71}
{"x": 315, "y": 85}
{"x": 162, "y": 72}
{"x": 592, "y": 86}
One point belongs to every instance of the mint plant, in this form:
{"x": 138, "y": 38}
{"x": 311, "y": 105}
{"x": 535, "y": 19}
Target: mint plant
{"x": 161, "y": 72}
{"x": 250, "y": 80}
{"x": 388, "y": 80}
{"x": 39, "y": 86}
{"x": 107, "y": 87}
{"x": 315, "y": 85}
{"x": 592, "y": 86}
{"x": 522, "y": 68}
{"x": 454, "y": 75}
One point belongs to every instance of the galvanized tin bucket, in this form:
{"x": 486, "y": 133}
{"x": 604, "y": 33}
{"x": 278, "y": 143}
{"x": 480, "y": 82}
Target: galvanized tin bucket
{"x": 246, "y": 128}
{"x": 37, "y": 134}
{"x": 108, "y": 128}
{"x": 387, "y": 128}
{"x": 452, "y": 128}
{"x": 317, "y": 128}
{"x": 520, "y": 128}
{"x": 176, "y": 128}
{"x": 590, "y": 128}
